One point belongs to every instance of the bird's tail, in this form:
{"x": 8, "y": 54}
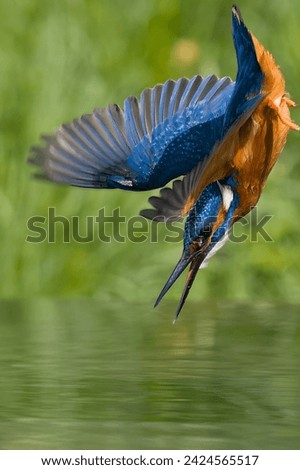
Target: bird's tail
{"x": 249, "y": 79}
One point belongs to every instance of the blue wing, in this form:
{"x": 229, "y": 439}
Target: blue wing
{"x": 154, "y": 140}
{"x": 164, "y": 135}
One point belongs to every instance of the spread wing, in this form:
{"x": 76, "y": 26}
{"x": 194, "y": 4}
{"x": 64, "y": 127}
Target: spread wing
{"x": 152, "y": 141}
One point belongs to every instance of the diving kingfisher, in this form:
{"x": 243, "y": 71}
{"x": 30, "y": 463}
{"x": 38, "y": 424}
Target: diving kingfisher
{"x": 222, "y": 136}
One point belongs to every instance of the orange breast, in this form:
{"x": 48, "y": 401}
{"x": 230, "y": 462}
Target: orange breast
{"x": 262, "y": 138}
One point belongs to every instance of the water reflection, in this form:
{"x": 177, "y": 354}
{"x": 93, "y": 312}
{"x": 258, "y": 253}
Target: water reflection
{"x": 80, "y": 374}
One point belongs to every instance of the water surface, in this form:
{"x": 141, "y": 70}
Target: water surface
{"x": 86, "y": 375}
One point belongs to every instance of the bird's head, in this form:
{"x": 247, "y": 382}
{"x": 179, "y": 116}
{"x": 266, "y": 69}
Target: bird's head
{"x": 206, "y": 230}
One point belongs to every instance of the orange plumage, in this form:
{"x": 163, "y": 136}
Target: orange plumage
{"x": 252, "y": 149}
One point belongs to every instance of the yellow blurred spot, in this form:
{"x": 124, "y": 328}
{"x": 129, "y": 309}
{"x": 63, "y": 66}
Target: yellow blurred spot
{"x": 185, "y": 52}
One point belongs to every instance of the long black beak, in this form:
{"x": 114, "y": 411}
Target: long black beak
{"x": 195, "y": 260}
{"x": 179, "y": 268}
{"x": 195, "y": 265}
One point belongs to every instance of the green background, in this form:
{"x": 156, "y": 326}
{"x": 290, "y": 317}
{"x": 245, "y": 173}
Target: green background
{"x": 85, "y": 362}
{"x": 60, "y": 59}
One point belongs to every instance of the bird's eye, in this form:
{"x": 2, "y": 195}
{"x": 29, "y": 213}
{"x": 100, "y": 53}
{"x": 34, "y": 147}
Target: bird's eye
{"x": 207, "y": 230}
{"x": 204, "y": 236}
{"x": 200, "y": 241}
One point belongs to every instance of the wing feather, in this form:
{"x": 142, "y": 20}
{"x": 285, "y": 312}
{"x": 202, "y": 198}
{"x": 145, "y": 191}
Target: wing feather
{"x": 178, "y": 91}
{"x": 189, "y": 92}
{"x": 169, "y": 205}
{"x": 112, "y": 143}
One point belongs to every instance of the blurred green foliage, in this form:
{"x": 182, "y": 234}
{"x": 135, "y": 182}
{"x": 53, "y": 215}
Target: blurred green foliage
{"x": 60, "y": 59}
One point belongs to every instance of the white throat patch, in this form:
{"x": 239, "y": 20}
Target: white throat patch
{"x": 227, "y": 195}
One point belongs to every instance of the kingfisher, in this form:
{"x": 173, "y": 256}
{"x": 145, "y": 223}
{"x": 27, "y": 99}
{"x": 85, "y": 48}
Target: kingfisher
{"x": 220, "y": 137}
